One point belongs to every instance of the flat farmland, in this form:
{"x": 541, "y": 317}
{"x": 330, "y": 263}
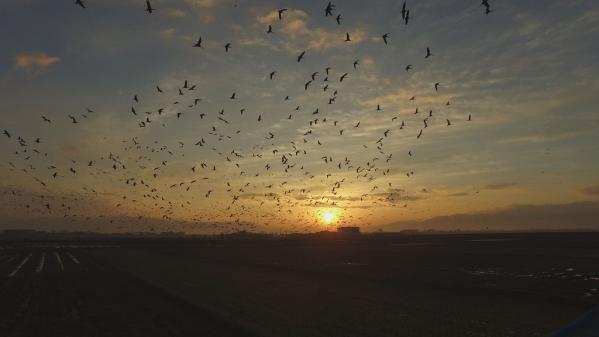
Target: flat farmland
{"x": 374, "y": 285}
{"x": 53, "y": 290}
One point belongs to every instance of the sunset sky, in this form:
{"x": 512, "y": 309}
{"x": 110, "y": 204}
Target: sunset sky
{"x": 527, "y": 74}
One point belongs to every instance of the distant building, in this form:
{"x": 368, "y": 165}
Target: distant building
{"x": 348, "y": 230}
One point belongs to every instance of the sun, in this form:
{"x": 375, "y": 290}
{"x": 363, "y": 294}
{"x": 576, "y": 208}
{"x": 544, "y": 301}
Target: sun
{"x": 328, "y": 217}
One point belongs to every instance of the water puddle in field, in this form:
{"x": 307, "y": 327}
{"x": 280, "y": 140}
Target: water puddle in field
{"x": 40, "y": 267}
{"x": 14, "y": 272}
{"x": 59, "y": 260}
{"x": 73, "y": 258}
{"x": 354, "y": 264}
{"x": 561, "y": 274}
{"x": 412, "y": 244}
{"x": 554, "y": 273}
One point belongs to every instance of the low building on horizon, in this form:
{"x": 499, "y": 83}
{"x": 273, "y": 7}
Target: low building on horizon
{"x": 348, "y": 229}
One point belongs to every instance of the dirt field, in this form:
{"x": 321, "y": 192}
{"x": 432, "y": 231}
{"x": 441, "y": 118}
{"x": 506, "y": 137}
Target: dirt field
{"x": 63, "y": 292}
{"x": 383, "y": 285}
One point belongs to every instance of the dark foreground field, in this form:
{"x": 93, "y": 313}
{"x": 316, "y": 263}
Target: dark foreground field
{"x": 377, "y": 285}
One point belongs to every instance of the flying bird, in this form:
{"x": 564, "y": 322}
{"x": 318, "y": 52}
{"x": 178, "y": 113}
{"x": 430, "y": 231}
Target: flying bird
{"x": 149, "y": 8}
{"x": 227, "y": 47}
{"x": 428, "y": 53}
{"x": 385, "y": 37}
{"x": 80, "y": 3}
{"x": 301, "y": 56}
{"x": 328, "y": 11}
{"x": 199, "y": 43}
{"x": 487, "y": 6}
{"x": 281, "y": 11}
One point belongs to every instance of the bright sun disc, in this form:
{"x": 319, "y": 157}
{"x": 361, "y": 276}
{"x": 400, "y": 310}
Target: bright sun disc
{"x": 328, "y": 217}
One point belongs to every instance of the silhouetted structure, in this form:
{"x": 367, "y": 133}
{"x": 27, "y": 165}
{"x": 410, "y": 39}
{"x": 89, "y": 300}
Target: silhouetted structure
{"x": 348, "y": 230}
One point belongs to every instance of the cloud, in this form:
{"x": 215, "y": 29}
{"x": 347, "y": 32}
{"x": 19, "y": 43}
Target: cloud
{"x": 168, "y": 33}
{"x": 174, "y": 12}
{"x": 295, "y": 25}
{"x": 592, "y": 190}
{"x": 203, "y": 9}
{"x": 204, "y": 3}
{"x": 499, "y": 186}
{"x": 540, "y": 138}
{"x": 579, "y": 215}
{"x": 34, "y": 62}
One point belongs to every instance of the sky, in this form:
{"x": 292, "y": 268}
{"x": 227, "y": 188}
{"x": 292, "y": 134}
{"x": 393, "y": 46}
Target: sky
{"x": 509, "y": 139}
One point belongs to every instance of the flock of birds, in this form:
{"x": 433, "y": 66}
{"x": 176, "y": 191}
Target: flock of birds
{"x": 270, "y": 182}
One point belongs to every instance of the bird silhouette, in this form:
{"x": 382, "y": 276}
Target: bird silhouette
{"x": 149, "y": 8}
{"x": 80, "y": 3}
{"x": 328, "y": 11}
{"x": 428, "y": 53}
{"x": 487, "y": 6}
{"x": 281, "y": 11}
{"x": 385, "y": 37}
{"x": 301, "y": 56}
{"x": 199, "y": 43}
